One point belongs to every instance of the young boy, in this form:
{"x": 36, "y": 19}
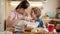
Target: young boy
{"x": 35, "y": 14}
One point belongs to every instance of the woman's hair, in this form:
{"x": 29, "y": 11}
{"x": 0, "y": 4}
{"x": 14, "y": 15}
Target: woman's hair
{"x": 37, "y": 11}
{"x": 24, "y": 4}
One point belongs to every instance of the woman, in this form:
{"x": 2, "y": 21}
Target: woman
{"x": 35, "y": 14}
{"x": 17, "y": 14}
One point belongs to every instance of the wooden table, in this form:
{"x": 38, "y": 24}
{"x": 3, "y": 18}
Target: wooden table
{"x": 37, "y": 33}
{"x": 24, "y": 33}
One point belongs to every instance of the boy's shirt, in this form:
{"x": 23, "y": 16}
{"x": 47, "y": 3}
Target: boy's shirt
{"x": 40, "y": 22}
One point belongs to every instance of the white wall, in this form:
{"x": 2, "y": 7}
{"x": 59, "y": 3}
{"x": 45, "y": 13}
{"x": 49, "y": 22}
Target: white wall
{"x": 2, "y": 14}
{"x": 50, "y": 5}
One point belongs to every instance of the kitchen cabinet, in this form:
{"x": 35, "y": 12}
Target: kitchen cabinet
{"x": 58, "y": 10}
{"x": 58, "y": 13}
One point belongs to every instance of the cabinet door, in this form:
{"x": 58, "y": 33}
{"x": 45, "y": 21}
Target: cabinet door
{"x": 58, "y": 10}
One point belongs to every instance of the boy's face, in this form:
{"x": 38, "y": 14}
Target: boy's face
{"x": 33, "y": 15}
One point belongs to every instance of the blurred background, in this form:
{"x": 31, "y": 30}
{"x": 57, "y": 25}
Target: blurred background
{"x": 50, "y": 9}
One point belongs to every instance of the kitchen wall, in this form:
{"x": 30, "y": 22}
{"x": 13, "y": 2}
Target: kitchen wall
{"x": 50, "y": 6}
{"x": 2, "y": 14}
{"x": 8, "y": 9}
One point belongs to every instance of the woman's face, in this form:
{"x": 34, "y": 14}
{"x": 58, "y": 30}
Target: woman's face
{"x": 21, "y": 10}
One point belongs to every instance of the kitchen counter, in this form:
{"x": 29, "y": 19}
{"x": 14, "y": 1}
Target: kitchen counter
{"x": 37, "y": 33}
{"x": 8, "y": 32}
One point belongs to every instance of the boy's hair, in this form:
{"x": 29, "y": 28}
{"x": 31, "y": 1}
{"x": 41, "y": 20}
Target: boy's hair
{"x": 37, "y": 11}
{"x": 24, "y": 4}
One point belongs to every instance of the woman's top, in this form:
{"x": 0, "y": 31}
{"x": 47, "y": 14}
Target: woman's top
{"x": 15, "y": 15}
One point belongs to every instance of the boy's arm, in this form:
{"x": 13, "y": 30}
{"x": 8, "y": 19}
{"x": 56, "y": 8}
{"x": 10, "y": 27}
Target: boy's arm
{"x": 40, "y": 23}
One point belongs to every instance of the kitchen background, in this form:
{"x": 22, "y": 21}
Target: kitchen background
{"x": 48, "y": 7}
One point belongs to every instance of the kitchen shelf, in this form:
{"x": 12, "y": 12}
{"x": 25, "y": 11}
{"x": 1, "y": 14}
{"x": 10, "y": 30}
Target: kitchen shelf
{"x": 52, "y": 19}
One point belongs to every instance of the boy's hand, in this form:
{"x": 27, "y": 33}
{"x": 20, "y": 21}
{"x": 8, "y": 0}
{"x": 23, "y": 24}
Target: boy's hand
{"x": 23, "y": 26}
{"x": 28, "y": 28}
{"x": 22, "y": 18}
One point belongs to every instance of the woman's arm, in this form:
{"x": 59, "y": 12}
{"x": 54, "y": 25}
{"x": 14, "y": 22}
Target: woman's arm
{"x": 10, "y": 23}
{"x": 11, "y": 19}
